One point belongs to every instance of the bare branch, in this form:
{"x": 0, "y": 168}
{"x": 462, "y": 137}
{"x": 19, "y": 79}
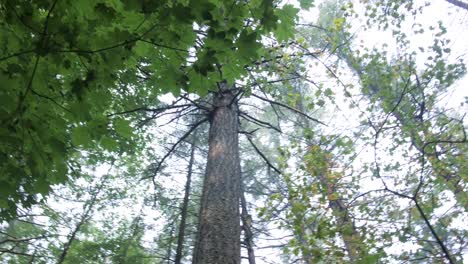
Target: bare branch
{"x": 263, "y": 156}
{"x": 289, "y": 108}
{"x": 181, "y": 139}
{"x": 259, "y": 122}
{"x": 156, "y": 110}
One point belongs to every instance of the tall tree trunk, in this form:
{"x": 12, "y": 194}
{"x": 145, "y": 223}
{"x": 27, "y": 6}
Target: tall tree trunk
{"x": 218, "y": 238}
{"x": 183, "y": 219}
{"x": 247, "y": 227}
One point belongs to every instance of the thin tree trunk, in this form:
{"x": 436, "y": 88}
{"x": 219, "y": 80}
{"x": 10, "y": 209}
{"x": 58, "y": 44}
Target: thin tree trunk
{"x": 458, "y": 3}
{"x": 183, "y": 220}
{"x": 306, "y": 256}
{"x": 218, "y": 238}
{"x": 246, "y": 226}
{"x": 72, "y": 236}
{"x": 351, "y": 237}
{"x": 88, "y": 207}
{"x": 169, "y": 247}
{"x": 135, "y": 227}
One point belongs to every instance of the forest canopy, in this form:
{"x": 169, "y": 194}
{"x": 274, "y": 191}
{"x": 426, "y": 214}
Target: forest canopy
{"x": 209, "y": 131}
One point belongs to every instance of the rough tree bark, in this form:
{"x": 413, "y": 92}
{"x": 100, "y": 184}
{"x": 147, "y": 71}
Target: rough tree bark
{"x": 218, "y": 238}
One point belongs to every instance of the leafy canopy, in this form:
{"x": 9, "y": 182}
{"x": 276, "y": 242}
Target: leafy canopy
{"x": 67, "y": 66}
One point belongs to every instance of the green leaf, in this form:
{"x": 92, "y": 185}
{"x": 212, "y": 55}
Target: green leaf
{"x": 169, "y": 80}
{"x": 4, "y": 204}
{"x": 306, "y": 4}
{"x": 42, "y": 186}
{"x": 247, "y": 45}
{"x": 109, "y": 143}
{"x": 232, "y": 71}
{"x": 199, "y": 84}
{"x": 287, "y": 16}
{"x": 123, "y": 128}
{"x": 80, "y": 136}
{"x": 328, "y": 92}
{"x": 371, "y": 259}
{"x": 298, "y": 208}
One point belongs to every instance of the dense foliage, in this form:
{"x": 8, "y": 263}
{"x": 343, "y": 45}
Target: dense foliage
{"x": 68, "y": 66}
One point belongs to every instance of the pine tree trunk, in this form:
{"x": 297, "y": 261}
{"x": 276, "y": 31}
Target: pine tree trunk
{"x": 218, "y": 238}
